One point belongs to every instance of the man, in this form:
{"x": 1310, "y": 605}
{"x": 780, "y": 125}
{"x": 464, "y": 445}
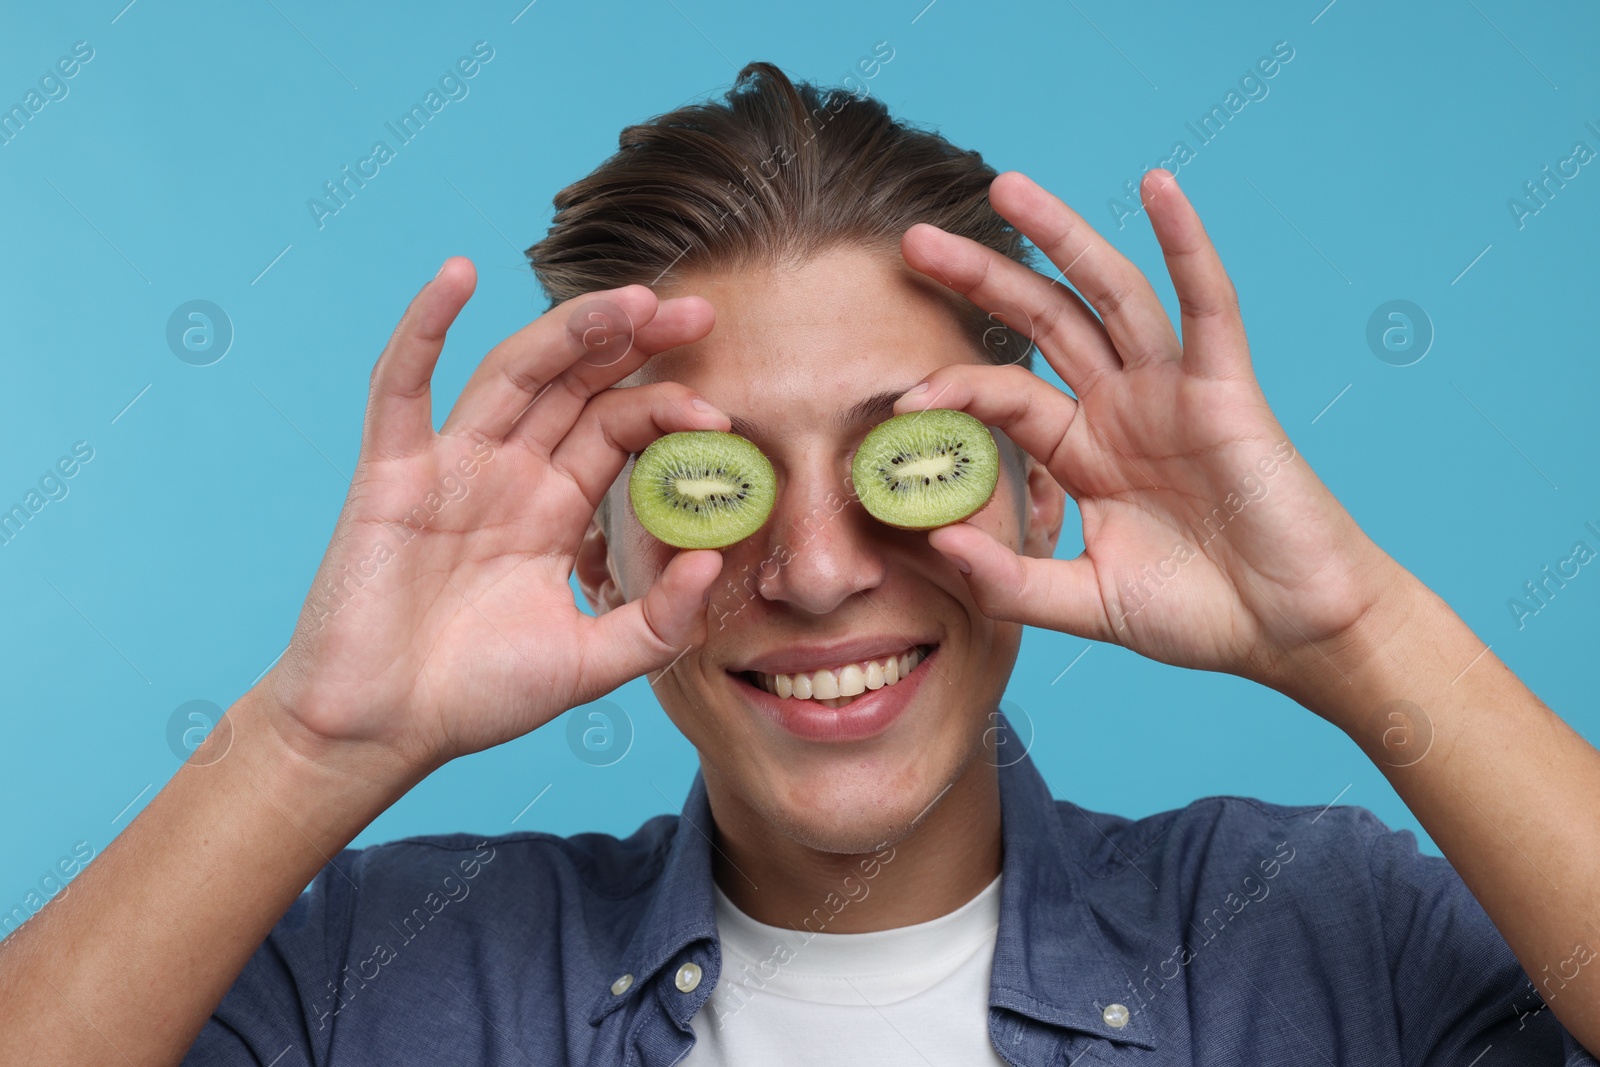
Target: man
{"x": 862, "y": 876}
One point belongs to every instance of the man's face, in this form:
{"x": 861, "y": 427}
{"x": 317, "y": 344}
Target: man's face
{"x": 806, "y": 360}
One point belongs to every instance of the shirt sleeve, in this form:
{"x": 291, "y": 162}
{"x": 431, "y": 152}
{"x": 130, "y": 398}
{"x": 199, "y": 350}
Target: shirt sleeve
{"x": 1461, "y": 997}
{"x": 269, "y": 1017}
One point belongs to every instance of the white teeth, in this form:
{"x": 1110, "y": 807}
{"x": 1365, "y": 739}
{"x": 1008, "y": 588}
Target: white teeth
{"x": 875, "y": 679}
{"x": 835, "y": 688}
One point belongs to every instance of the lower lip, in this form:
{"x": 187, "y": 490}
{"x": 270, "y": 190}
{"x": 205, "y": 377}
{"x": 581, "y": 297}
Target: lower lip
{"x": 868, "y": 715}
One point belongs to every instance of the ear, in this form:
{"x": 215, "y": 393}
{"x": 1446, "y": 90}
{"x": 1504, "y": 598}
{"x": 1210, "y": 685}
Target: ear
{"x": 596, "y": 577}
{"x": 1046, "y": 504}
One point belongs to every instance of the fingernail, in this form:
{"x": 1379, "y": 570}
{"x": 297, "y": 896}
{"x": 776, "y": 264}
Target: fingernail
{"x": 915, "y": 389}
{"x": 961, "y": 565}
{"x": 700, "y": 405}
{"x": 442, "y": 266}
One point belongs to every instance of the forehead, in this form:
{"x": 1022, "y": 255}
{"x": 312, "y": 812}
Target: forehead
{"x": 805, "y": 342}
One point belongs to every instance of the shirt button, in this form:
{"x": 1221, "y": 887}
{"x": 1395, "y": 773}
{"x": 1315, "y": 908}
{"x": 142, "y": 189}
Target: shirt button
{"x": 688, "y": 977}
{"x": 620, "y": 986}
{"x": 1115, "y": 1015}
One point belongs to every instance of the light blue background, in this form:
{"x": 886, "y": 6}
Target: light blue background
{"x": 178, "y": 167}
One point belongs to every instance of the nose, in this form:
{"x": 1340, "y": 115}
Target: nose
{"x": 822, "y": 547}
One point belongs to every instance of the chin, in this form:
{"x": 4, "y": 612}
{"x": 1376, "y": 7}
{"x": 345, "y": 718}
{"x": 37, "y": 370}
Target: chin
{"x": 867, "y": 800}
{"x": 848, "y": 821}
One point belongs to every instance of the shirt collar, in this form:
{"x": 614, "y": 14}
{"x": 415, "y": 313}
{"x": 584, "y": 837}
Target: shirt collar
{"x": 1053, "y": 962}
{"x": 681, "y": 911}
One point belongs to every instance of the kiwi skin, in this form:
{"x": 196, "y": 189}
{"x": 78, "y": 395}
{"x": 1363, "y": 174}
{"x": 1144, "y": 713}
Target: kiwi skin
{"x": 892, "y": 436}
{"x": 710, "y": 449}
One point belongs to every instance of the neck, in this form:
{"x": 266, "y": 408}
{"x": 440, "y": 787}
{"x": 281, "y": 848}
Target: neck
{"x": 945, "y": 861}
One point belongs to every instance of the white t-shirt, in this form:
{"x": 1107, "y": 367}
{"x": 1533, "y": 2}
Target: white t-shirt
{"x": 915, "y": 995}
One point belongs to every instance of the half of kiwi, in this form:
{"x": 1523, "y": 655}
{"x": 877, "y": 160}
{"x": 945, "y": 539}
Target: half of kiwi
{"x": 702, "y": 489}
{"x": 926, "y": 468}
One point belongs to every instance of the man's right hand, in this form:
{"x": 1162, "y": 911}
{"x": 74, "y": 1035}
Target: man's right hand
{"x": 458, "y": 634}
{"x": 441, "y": 621}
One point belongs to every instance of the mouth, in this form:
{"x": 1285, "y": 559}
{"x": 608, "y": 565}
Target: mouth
{"x": 848, "y": 699}
{"x": 840, "y": 685}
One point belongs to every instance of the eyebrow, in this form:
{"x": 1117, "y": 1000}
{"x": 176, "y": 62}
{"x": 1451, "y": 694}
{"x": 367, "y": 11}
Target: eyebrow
{"x": 873, "y": 409}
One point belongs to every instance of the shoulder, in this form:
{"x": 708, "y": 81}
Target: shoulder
{"x": 1324, "y": 905}
{"x": 1218, "y": 841}
{"x": 1219, "y": 826}
{"x": 598, "y": 863}
{"x": 525, "y": 881}
{"x": 523, "y": 918}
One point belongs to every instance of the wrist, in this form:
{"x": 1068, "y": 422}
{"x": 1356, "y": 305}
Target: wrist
{"x": 302, "y": 773}
{"x": 1400, "y": 648}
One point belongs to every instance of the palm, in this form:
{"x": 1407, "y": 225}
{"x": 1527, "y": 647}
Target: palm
{"x": 1208, "y": 541}
{"x": 441, "y": 621}
{"x": 470, "y": 611}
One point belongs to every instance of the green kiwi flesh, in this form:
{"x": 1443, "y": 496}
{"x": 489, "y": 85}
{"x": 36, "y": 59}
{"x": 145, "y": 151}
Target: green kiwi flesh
{"x": 926, "y": 468}
{"x": 702, "y": 489}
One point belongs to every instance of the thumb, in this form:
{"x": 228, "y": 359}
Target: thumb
{"x": 1053, "y": 593}
{"x": 649, "y": 633}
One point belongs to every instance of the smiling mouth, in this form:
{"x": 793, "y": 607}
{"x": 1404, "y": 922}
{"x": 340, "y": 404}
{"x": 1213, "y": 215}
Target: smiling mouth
{"x": 837, "y": 686}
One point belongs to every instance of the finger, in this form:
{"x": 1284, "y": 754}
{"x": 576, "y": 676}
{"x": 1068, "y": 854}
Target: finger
{"x": 649, "y": 634}
{"x": 399, "y": 418}
{"x": 1052, "y": 316}
{"x": 1032, "y": 412}
{"x": 1113, "y": 286}
{"x": 1214, "y": 344}
{"x": 1058, "y": 594}
{"x": 516, "y": 369}
{"x": 622, "y": 421}
{"x": 612, "y": 357}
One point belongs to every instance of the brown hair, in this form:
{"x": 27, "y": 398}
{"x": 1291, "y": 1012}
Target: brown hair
{"x": 777, "y": 173}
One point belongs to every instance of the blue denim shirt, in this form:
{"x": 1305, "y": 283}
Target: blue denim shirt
{"x": 1229, "y": 932}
